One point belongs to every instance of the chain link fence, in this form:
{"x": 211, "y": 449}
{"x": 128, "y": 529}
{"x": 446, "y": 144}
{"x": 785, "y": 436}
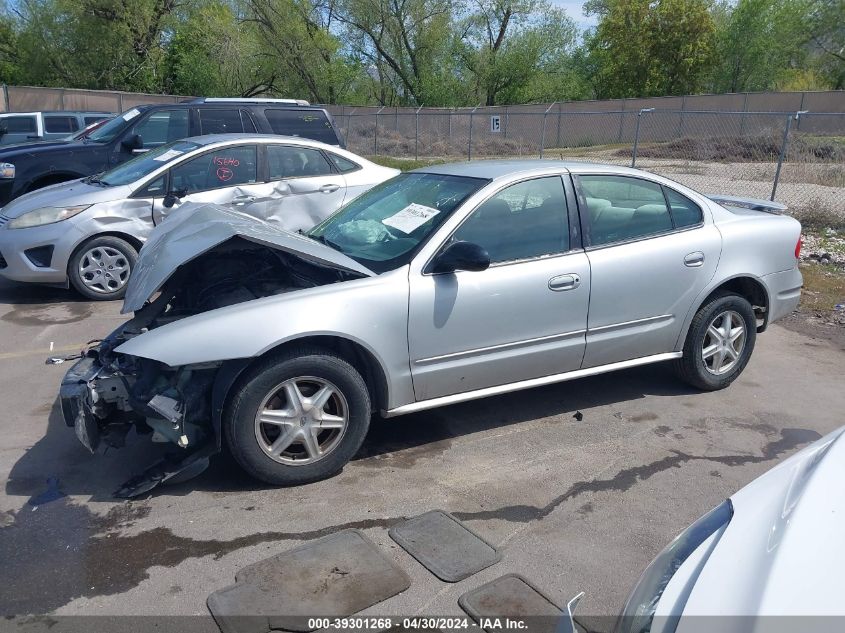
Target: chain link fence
{"x": 797, "y": 158}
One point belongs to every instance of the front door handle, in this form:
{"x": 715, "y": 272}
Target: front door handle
{"x": 564, "y": 282}
{"x": 694, "y": 260}
{"x": 329, "y": 188}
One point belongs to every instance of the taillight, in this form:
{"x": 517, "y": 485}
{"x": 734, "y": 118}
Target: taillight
{"x": 798, "y": 248}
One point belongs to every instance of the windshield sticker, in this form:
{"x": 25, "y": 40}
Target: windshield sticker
{"x": 128, "y": 116}
{"x": 169, "y": 154}
{"x": 411, "y": 217}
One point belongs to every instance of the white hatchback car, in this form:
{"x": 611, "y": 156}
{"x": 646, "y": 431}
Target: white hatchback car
{"x": 87, "y": 232}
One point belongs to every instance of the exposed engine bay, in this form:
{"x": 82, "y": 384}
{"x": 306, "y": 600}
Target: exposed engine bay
{"x": 107, "y": 394}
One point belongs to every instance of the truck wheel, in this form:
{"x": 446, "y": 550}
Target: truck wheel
{"x": 100, "y": 268}
{"x": 298, "y": 417}
{"x": 719, "y": 343}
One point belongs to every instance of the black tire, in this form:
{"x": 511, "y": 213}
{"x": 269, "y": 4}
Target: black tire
{"x": 242, "y": 432}
{"x": 692, "y": 367}
{"x": 113, "y": 244}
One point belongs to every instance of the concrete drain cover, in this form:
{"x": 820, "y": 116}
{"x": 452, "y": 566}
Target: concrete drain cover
{"x": 336, "y": 575}
{"x": 447, "y": 548}
{"x": 512, "y": 596}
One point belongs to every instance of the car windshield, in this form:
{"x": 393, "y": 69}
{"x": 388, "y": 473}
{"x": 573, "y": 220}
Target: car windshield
{"x": 108, "y": 131}
{"x": 146, "y": 163}
{"x": 382, "y": 228}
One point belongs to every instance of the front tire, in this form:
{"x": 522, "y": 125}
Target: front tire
{"x": 719, "y": 343}
{"x": 297, "y": 417}
{"x": 100, "y": 268}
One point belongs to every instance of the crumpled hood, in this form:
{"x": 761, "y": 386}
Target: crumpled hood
{"x": 782, "y": 553}
{"x": 195, "y": 229}
{"x": 64, "y": 194}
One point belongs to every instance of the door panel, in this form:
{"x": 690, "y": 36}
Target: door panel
{"x": 524, "y": 317}
{"x": 641, "y": 292}
{"x": 471, "y": 330}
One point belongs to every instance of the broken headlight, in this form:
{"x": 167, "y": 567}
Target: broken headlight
{"x": 638, "y": 613}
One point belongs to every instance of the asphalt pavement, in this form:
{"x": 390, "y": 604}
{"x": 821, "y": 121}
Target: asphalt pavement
{"x": 575, "y": 502}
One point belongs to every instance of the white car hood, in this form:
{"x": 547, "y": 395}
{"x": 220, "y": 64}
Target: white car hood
{"x": 195, "y": 229}
{"x": 64, "y": 194}
{"x": 783, "y": 553}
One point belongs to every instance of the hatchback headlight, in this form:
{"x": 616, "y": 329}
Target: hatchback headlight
{"x": 7, "y": 170}
{"x": 46, "y": 215}
{"x": 639, "y": 609}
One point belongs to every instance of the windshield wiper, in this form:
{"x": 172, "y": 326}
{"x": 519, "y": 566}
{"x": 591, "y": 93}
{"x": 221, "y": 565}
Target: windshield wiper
{"x": 94, "y": 179}
{"x": 324, "y": 240}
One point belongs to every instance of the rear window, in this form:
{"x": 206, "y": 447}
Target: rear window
{"x": 344, "y": 165}
{"x": 60, "y": 124}
{"x": 19, "y": 124}
{"x": 311, "y": 124}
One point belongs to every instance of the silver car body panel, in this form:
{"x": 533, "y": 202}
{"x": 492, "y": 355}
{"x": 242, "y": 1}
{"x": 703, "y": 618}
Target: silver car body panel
{"x": 296, "y": 203}
{"x": 445, "y": 338}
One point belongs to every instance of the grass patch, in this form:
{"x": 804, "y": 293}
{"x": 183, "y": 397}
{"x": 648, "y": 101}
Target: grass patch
{"x": 824, "y": 287}
{"x": 405, "y": 164}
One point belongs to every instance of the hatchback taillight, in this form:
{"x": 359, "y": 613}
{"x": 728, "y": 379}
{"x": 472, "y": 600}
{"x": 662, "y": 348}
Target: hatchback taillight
{"x": 798, "y": 248}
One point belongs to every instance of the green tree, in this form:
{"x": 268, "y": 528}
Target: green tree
{"x": 93, "y": 43}
{"x": 508, "y": 45}
{"x": 644, "y": 48}
{"x": 758, "y": 43}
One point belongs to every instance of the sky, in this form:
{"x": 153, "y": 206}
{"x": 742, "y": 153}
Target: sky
{"x": 573, "y": 8}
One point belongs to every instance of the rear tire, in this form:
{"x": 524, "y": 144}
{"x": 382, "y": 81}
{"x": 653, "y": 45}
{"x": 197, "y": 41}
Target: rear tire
{"x": 297, "y": 417}
{"x": 99, "y": 269}
{"x": 719, "y": 343}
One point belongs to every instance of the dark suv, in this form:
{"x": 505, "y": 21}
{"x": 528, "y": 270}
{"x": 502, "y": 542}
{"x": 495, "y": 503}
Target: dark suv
{"x": 30, "y": 166}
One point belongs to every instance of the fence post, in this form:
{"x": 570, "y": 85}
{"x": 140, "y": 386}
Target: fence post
{"x": 5, "y": 98}
{"x": 557, "y": 142}
{"x": 417, "y": 133}
{"x": 375, "y": 136}
{"x": 506, "y": 120}
{"x": 543, "y": 132}
{"x": 681, "y": 121}
{"x": 637, "y": 135}
{"x": 783, "y": 147}
{"x": 469, "y": 145}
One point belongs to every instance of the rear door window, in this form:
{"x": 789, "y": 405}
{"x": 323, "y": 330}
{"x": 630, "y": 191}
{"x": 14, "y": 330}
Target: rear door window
{"x": 222, "y": 168}
{"x": 311, "y": 124}
{"x": 344, "y": 165}
{"x": 162, "y": 127}
{"x": 622, "y": 208}
{"x": 287, "y": 161}
{"x": 19, "y": 124}
{"x": 60, "y": 124}
{"x": 685, "y": 212}
{"x": 218, "y": 121}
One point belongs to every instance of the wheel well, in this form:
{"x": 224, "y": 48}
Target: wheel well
{"x": 356, "y": 355}
{"x": 753, "y": 291}
{"x": 52, "y": 179}
{"x": 134, "y": 242}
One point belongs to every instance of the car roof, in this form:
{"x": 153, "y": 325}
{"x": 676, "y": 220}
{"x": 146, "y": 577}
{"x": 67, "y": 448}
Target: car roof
{"x": 248, "y": 137}
{"x": 493, "y": 169}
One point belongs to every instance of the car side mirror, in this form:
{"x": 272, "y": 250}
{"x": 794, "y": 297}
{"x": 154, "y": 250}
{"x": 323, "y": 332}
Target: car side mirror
{"x": 460, "y": 256}
{"x": 172, "y": 197}
{"x": 133, "y": 142}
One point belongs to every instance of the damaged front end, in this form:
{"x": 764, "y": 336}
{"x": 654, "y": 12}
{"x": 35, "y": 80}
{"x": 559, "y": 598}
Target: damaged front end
{"x": 106, "y": 393}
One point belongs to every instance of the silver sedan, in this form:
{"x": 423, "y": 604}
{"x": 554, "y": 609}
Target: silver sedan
{"x": 88, "y": 232}
{"x": 439, "y": 286}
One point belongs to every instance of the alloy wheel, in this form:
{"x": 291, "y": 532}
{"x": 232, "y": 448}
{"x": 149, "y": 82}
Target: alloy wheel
{"x": 723, "y": 342}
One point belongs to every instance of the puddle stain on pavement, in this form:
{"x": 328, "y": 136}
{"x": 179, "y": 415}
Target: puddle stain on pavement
{"x": 48, "y": 314}
{"x": 61, "y": 551}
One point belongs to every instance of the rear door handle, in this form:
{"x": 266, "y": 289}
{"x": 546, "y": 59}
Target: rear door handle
{"x": 564, "y": 282}
{"x": 243, "y": 199}
{"x": 694, "y": 260}
{"x": 329, "y": 188}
